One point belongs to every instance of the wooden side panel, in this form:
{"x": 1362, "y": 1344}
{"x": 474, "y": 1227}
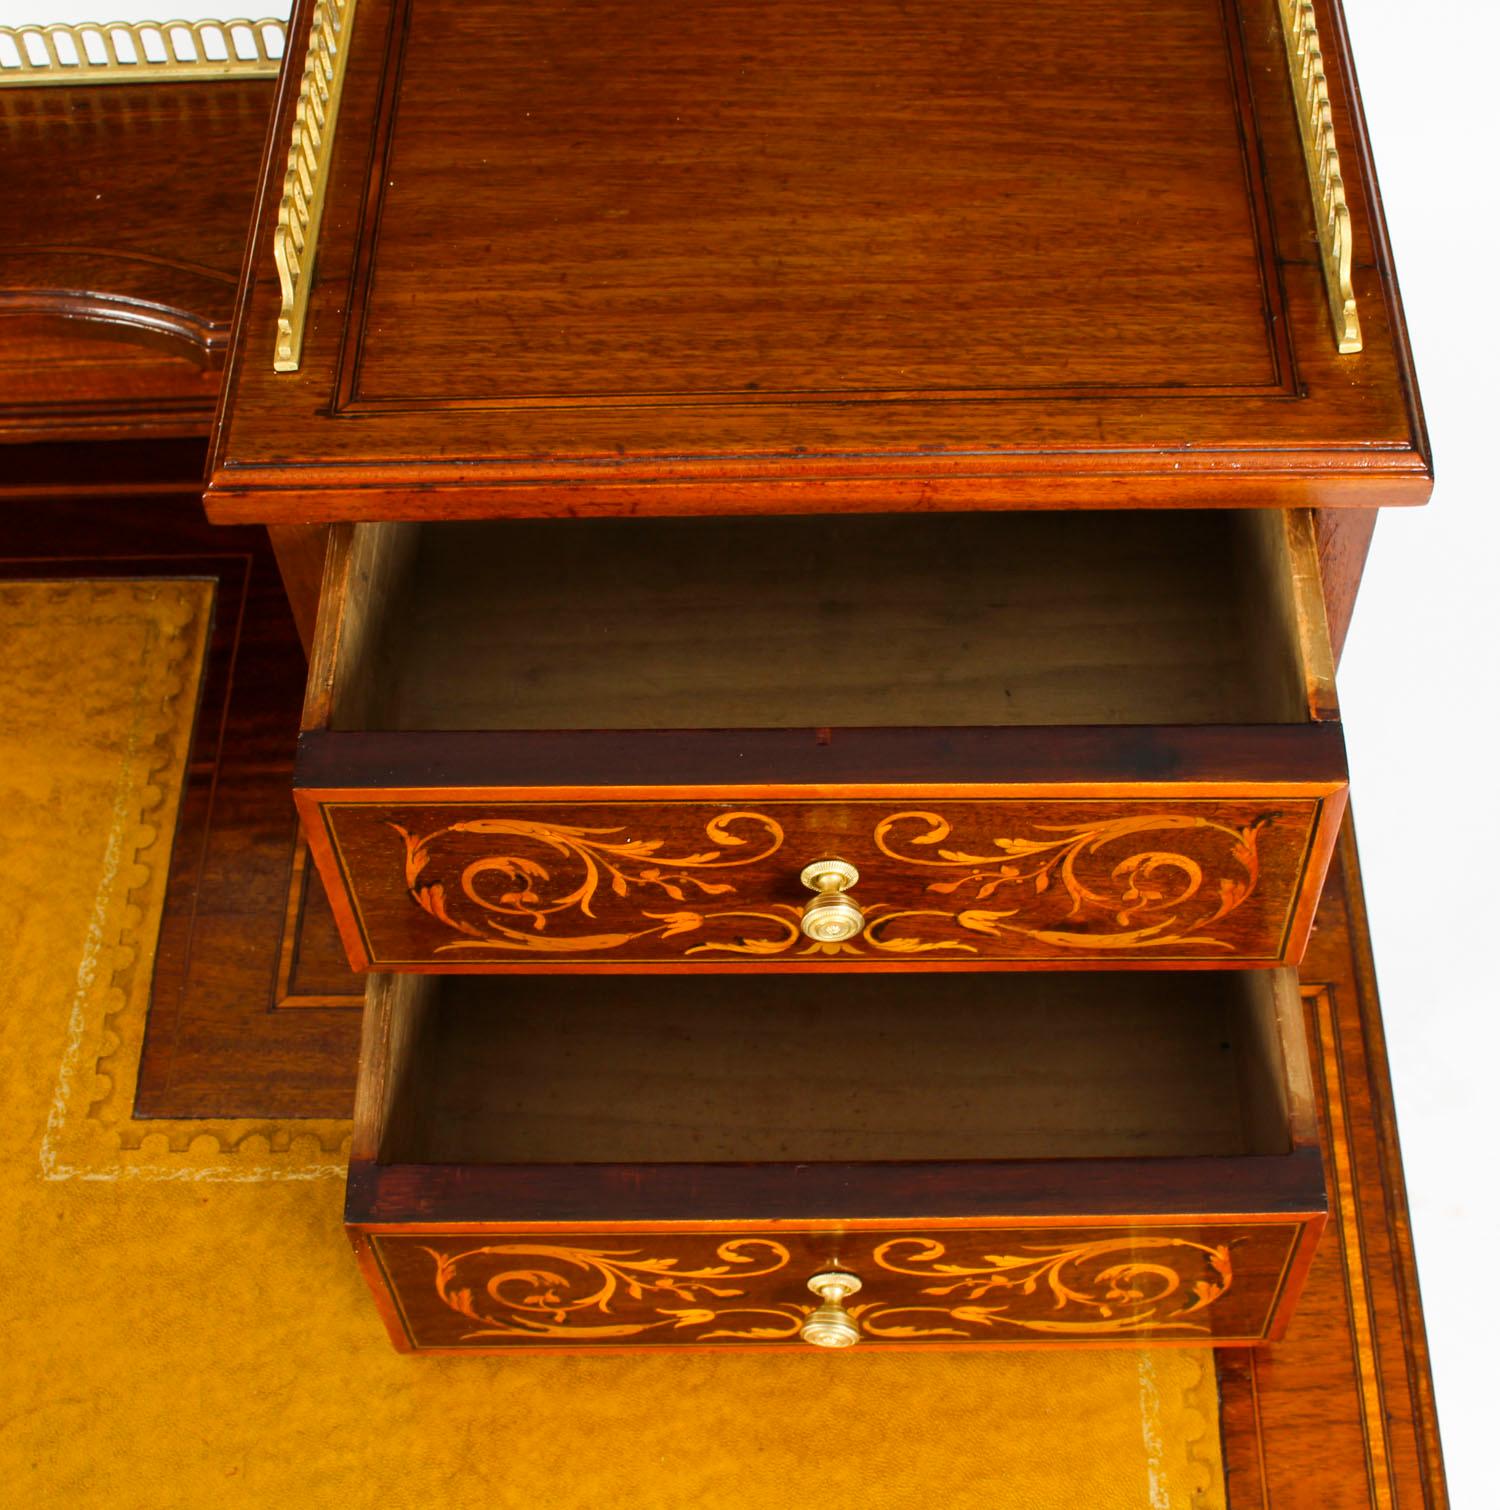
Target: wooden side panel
{"x": 361, "y": 574}
{"x": 1143, "y": 877}
{"x": 301, "y": 550}
{"x": 118, "y": 267}
{"x": 385, "y": 1301}
{"x": 1301, "y": 1095}
{"x": 1344, "y": 537}
{"x": 395, "y": 1006}
{"x": 1131, "y": 1282}
{"x": 1301, "y": 585}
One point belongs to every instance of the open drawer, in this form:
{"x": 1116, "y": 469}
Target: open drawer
{"x": 1041, "y": 739}
{"x": 1016, "y": 1158}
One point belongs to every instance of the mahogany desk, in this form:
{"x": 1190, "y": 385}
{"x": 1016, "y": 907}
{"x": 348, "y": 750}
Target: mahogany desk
{"x": 1365, "y": 1353}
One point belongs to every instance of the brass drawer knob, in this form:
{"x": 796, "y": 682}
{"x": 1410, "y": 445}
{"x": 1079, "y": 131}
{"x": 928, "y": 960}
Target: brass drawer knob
{"x": 831, "y": 1325}
{"x": 831, "y": 916}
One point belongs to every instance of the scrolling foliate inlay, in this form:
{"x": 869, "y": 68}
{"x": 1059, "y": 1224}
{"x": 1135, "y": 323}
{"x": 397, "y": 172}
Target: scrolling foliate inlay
{"x": 1095, "y": 1289}
{"x": 1122, "y": 884}
{"x": 1113, "y": 895}
{"x": 509, "y": 899}
{"x": 1120, "y": 1286}
{"x": 543, "y": 1290}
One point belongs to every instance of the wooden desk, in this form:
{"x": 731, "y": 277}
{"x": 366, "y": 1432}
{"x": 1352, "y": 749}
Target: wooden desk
{"x": 1216, "y": 449}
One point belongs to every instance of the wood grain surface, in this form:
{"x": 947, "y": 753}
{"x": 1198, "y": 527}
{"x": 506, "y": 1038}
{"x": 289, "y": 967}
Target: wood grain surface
{"x": 1057, "y": 255}
{"x": 129, "y": 209}
{"x": 1344, "y": 537}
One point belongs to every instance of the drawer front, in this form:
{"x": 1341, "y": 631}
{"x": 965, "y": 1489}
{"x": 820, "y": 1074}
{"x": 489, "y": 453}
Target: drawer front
{"x": 1029, "y": 879}
{"x": 1172, "y": 1281}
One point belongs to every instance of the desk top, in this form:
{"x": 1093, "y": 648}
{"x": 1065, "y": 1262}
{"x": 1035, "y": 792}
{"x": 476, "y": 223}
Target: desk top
{"x": 767, "y": 255}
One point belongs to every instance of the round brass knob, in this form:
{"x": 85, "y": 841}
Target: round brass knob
{"x": 831, "y": 1325}
{"x": 831, "y": 916}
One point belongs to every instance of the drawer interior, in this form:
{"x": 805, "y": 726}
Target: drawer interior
{"x": 1120, "y": 617}
{"x": 640, "y": 1069}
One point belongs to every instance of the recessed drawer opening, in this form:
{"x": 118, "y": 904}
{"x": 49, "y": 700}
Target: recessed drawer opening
{"x": 1007, "y": 1067}
{"x": 1124, "y": 617}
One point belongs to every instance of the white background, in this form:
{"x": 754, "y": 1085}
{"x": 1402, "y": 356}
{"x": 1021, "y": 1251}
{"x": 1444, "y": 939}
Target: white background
{"x": 1419, "y": 682}
{"x": 1420, "y": 691}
